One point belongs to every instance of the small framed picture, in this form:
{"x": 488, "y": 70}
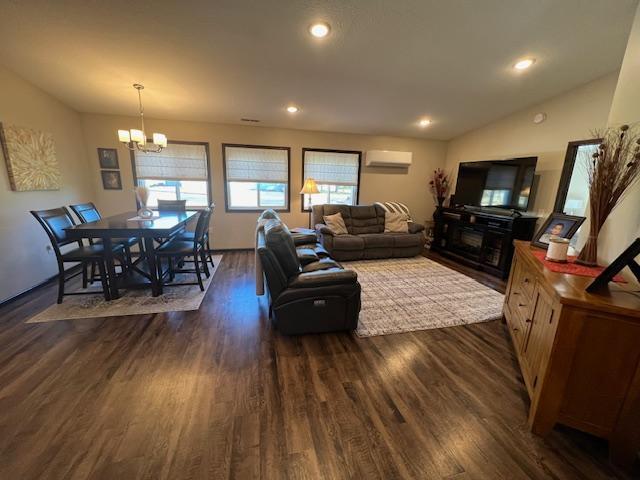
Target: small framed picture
{"x": 108, "y": 158}
{"x": 557, "y": 225}
{"x": 111, "y": 180}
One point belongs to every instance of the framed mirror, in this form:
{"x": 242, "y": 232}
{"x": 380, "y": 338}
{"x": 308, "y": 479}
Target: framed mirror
{"x": 573, "y": 191}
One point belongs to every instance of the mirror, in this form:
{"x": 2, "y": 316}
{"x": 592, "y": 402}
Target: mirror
{"x": 573, "y": 191}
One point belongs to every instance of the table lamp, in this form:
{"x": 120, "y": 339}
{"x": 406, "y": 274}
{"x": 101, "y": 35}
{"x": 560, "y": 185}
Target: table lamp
{"x": 309, "y": 188}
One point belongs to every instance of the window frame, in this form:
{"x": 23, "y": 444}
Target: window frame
{"x": 331, "y": 150}
{"x": 132, "y": 154}
{"x": 229, "y": 209}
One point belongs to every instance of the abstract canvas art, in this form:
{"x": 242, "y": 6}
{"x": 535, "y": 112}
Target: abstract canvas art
{"x": 31, "y": 161}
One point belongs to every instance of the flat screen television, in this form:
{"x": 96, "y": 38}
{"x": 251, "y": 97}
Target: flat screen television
{"x": 496, "y": 183}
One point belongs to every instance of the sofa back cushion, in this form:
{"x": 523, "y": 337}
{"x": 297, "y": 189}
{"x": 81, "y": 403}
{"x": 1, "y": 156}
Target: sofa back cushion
{"x": 366, "y": 219}
{"x": 279, "y": 241}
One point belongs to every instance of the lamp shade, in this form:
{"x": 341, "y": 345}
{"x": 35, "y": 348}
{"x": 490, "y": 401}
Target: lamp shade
{"x": 310, "y": 187}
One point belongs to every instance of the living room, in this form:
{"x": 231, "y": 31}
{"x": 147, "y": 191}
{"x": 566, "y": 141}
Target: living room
{"x": 391, "y": 356}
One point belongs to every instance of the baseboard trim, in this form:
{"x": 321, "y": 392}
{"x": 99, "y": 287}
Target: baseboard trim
{"x": 228, "y": 250}
{"x": 43, "y": 283}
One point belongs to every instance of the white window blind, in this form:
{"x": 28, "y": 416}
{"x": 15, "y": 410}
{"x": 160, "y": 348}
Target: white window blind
{"x": 248, "y": 164}
{"x": 175, "y": 162}
{"x": 334, "y": 168}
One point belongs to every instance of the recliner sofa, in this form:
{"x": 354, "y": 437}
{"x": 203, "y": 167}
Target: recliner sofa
{"x": 309, "y": 292}
{"x": 366, "y": 238}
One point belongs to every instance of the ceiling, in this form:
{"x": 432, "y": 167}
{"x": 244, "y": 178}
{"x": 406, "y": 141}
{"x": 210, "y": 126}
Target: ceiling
{"x": 385, "y": 65}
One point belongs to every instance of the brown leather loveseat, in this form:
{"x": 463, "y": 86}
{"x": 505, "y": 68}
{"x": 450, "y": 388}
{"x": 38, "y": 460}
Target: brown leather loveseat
{"x": 366, "y": 238}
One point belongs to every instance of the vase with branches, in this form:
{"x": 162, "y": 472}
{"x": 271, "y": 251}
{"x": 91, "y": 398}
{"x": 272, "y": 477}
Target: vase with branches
{"x": 611, "y": 171}
{"x": 439, "y": 185}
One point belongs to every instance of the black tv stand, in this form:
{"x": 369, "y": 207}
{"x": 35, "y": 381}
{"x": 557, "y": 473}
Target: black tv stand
{"x": 481, "y": 237}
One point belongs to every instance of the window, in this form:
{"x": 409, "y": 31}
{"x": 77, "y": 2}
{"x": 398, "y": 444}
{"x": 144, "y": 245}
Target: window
{"x": 179, "y": 172}
{"x": 337, "y": 174}
{"x": 256, "y": 177}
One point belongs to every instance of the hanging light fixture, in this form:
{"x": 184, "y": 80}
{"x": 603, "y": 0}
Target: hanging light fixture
{"x": 137, "y": 139}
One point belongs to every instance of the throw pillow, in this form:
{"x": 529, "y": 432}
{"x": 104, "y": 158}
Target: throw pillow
{"x": 336, "y": 224}
{"x": 395, "y": 223}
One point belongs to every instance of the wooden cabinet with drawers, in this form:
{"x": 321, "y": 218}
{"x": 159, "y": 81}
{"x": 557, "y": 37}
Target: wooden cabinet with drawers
{"x": 579, "y": 353}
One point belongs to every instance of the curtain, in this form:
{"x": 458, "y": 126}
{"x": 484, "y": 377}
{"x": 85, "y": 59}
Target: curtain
{"x": 331, "y": 167}
{"x": 253, "y": 164}
{"x": 175, "y": 162}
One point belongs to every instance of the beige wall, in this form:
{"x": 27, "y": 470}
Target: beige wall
{"x": 623, "y": 226}
{"x": 571, "y": 116}
{"x": 24, "y": 260}
{"x": 236, "y": 230}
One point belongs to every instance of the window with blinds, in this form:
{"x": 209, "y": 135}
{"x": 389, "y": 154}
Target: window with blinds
{"x": 256, "y": 177}
{"x": 337, "y": 174}
{"x": 179, "y": 172}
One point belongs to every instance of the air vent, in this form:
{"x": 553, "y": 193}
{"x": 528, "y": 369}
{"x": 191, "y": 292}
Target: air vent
{"x": 251, "y": 120}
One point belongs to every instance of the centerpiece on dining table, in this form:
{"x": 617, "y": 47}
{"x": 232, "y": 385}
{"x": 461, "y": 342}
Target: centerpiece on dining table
{"x": 142, "y": 196}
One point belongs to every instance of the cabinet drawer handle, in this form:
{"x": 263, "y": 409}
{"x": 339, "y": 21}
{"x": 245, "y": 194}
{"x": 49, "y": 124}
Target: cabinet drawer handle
{"x": 526, "y": 280}
{"x": 522, "y": 304}
{"x": 528, "y": 320}
{"x": 515, "y": 329}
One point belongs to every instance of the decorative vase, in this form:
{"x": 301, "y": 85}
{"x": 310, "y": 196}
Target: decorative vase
{"x": 145, "y": 212}
{"x": 589, "y": 253}
{"x": 441, "y": 201}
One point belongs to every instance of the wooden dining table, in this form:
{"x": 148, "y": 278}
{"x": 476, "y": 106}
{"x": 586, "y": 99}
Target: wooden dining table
{"x": 127, "y": 225}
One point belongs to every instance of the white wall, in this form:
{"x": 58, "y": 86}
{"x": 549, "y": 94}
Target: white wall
{"x": 623, "y": 225}
{"x": 24, "y": 261}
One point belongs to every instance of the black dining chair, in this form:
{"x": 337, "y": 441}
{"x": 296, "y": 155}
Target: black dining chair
{"x": 189, "y": 235}
{"x": 88, "y": 212}
{"x": 177, "y": 251}
{"x": 172, "y": 205}
{"x": 54, "y": 222}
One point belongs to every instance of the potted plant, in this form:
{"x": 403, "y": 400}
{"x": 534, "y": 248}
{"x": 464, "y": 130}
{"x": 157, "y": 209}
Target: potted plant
{"x": 439, "y": 185}
{"x": 611, "y": 170}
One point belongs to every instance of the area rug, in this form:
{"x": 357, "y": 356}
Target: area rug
{"x": 407, "y": 294}
{"x": 131, "y": 302}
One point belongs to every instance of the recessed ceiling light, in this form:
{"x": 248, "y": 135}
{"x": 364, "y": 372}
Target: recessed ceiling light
{"x": 320, "y": 29}
{"x": 292, "y": 109}
{"x": 524, "y": 63}
{"x": 425, "y": 122}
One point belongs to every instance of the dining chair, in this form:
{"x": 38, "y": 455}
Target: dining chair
{"x": 176, "y": 251}
{"x": 188, "y": 236}
{"x": 54, "y": 222}
{"x": 172, "y": 205}
{"x": 88, "y": 212}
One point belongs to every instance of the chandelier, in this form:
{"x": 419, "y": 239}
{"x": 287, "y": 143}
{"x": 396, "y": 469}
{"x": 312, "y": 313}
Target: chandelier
{"x": 137, "y": 139}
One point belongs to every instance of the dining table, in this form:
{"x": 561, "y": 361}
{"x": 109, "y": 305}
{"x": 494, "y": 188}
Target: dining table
{"x": 162, "y": 225}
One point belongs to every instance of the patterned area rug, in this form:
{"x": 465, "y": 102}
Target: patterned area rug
{"x": 407, "y": 294}
{"x": 131, "y": 302}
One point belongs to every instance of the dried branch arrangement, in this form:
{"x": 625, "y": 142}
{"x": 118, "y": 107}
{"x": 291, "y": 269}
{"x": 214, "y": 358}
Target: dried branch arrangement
{"x": 439, "y": 185}
{"x": 142, "y": 194}
{"x": 612, "y": 170}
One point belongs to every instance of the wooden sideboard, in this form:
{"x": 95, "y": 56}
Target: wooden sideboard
{"x": 579, "y": 353}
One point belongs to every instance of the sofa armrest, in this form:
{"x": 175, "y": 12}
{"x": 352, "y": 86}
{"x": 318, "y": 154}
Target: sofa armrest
{"x": 319, "y": 278}
{"x": 415, "y": 227}
{"x": 322, "y": 229}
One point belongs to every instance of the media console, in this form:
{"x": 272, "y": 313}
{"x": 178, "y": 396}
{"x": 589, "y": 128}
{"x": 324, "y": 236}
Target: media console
{"x": 481, "y": 238}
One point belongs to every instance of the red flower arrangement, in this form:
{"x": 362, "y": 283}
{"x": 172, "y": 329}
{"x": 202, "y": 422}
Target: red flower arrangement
{"x": 439, "y": 185}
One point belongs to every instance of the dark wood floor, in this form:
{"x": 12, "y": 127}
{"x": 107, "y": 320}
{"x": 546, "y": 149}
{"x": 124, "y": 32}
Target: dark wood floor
{"x": 217, "y": 393}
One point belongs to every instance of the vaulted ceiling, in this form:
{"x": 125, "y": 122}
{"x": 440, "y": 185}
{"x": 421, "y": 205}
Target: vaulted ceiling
{"x": 385, "y": 64}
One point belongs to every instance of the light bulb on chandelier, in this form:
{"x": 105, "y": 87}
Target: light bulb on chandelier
{"x": 135, "y": 139}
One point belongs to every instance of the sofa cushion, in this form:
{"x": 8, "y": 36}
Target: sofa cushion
{"x": 377, "y": 240}
{"x": 307, "y": 255}
{"x": 402, "y": 240}
{"x": 348, "y": 242}
{"x": 278, "y": 239}
{"x": 395, "y": 222}
{"x": 365, "y": 219}
{"x": 322, "y": 264}
{"x": 336, "y": 223}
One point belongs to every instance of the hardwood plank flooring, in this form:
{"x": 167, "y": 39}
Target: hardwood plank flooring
{"x": 217, "y": 393}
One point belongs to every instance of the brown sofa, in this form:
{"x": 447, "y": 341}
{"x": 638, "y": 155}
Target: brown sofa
{"x": 366, "y": 238}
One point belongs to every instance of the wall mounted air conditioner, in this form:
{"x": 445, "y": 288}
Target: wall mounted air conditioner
{"x": 385, "y": 158}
